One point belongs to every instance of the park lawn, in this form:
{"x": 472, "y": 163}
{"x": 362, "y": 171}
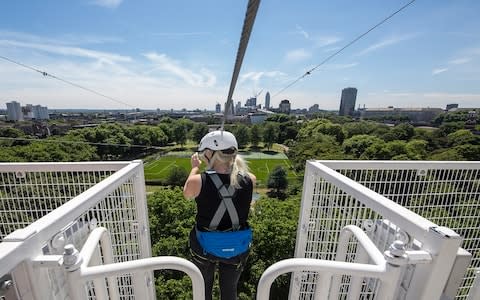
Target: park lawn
{"x": 159, "y": 168}
{"x": 261, "y": 167}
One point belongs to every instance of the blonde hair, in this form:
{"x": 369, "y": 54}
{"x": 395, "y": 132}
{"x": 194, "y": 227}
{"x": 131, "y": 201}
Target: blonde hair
{"x": 236, "y": 163}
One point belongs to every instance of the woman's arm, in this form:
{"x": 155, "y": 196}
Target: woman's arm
{"x": 253, "y": 178}
{"x": 193, "y": 184}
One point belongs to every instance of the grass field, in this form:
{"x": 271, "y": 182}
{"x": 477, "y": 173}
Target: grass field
{"x": 261, "y": 165}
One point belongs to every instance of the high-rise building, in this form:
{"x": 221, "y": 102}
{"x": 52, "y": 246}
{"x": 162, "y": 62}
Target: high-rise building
{"x": 347, "y": 102}
{"x": 238, "y": 107}
{"x": 251, "y": 102}
{"x": 14, "y": 111}
{"x": 267, "y": 100}
{"x": 27, "y": 112}
{"x": 284, "y": 107}
{"x": 218, "y": 108}
{"x": 40, "y": 112}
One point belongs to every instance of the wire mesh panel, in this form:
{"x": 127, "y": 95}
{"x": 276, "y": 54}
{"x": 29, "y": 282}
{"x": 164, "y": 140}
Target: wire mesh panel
{"x": 446, "y": 193}
{"x": 361, "y": 196}
{"x": 26, "y": 196}
{"x": 106, "y": 195}
{"x": 332, "y": 209}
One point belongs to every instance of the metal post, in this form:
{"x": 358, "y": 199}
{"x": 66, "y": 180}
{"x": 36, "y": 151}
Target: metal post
{"x": 474, "y": 292}
{"x": 429, "y": 281}
{"x": 101, "y": 292}
{"x": 72, "y": 262}
{"x": 141, "y": 283}
{"x": 396, "y": 257}
{"x": 303, "y": 223}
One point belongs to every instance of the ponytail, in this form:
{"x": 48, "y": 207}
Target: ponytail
{"x": 238, "y": 166}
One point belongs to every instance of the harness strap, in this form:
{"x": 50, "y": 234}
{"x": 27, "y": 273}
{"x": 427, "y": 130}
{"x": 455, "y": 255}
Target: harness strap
{"x": 226, "y": 193}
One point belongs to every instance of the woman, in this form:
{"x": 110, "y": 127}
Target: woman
{"x": 223, "y": 194}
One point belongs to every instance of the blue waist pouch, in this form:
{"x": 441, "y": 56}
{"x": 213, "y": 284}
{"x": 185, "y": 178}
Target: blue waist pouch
{"x": 225, "y": 244}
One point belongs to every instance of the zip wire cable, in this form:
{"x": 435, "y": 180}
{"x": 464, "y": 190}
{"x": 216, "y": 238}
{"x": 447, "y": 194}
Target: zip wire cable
{"x": 309, "y": 72}
{"x": 65, "y": 81}
{"x": 248, "y": 22}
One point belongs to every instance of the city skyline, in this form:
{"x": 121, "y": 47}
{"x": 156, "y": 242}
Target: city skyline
{"x": 181, "y": 55}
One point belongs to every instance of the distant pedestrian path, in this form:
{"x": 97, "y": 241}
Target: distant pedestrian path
{"x": 245, "y": 154}
{"x": 263, "y": 155}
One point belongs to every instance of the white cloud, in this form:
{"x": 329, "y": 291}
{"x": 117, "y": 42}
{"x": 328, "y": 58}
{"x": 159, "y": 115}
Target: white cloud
{"x": 323, "y": 41}
{"x": 202, "y": 78}
{"x": 439, "y": 70}
{"x": 134, "y": 89}
{"x": 68, "y": 51}
{"x": 386, "y": 42}
{"x": 297, "y": 55}
{"x": 460, "y": 61}
{"x": 340, "y": 66}
{"x": 256, "y": 76}
{"x": 181, "y": 34}
{"x": 65, "y": 39}
{"x": 299, "y": 30}
{"x": 107, "y": 3}
{"x": 331, "y": 49}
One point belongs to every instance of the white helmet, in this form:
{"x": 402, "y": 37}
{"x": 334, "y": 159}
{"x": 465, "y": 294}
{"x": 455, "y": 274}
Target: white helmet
{"x": 218, "y": 140}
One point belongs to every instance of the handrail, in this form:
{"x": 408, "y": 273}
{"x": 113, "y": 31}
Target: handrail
{"x": 379, "y": 268}
{"x": 412, "y": 222}
{"x": 110, "y": 270}
{"x": 371, "y": 250}
{"x": 146, "y": 264}
{"x": 399, "y": 165}
{"x": 315, "y": 265}
{"x": 89, "y": 249}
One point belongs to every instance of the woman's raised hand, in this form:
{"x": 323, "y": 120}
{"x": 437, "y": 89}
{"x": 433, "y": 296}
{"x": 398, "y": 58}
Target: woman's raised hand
{"x": 195, "y": 161}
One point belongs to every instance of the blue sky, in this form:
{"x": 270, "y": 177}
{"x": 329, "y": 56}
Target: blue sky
{"x": 180, "y": 54}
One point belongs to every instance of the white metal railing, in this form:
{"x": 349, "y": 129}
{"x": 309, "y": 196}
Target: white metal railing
{"x": 385, "y": 268}
{"x": 474, "y": 292}
{"x": 47, "y": 205}
{"x": 444, "y": 192}
{"x": 331, "y": 201}
{"x": 95, "y": 263}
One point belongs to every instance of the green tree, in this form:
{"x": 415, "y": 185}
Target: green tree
{"x": 255, "y": 135}
{"x": 462, "y": 137}
{"x": 277, "y": 182}
{"x": 167, "y": 129}
{"x": 179, "y": 134}
{"x": 402, "y": 131}
{"x": 446, "y": 154}
{"x": 321, "y": 126}
{"x": 198, "y": 131}
{"x": 270, "y": 133}
{"x": 171, "y": 218}
{"x": 274, "y": 226}
{"x": 396, "y": 148}
{"x": 320, "y": 146}
{"x": 356, "y": 145}
{"x": 242, "y": 133}
{"x": 451, "y": 127}
{"x": 416, "y": 149}
{"x": 359, "y": 128}
{"x": 176, "y": 176}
